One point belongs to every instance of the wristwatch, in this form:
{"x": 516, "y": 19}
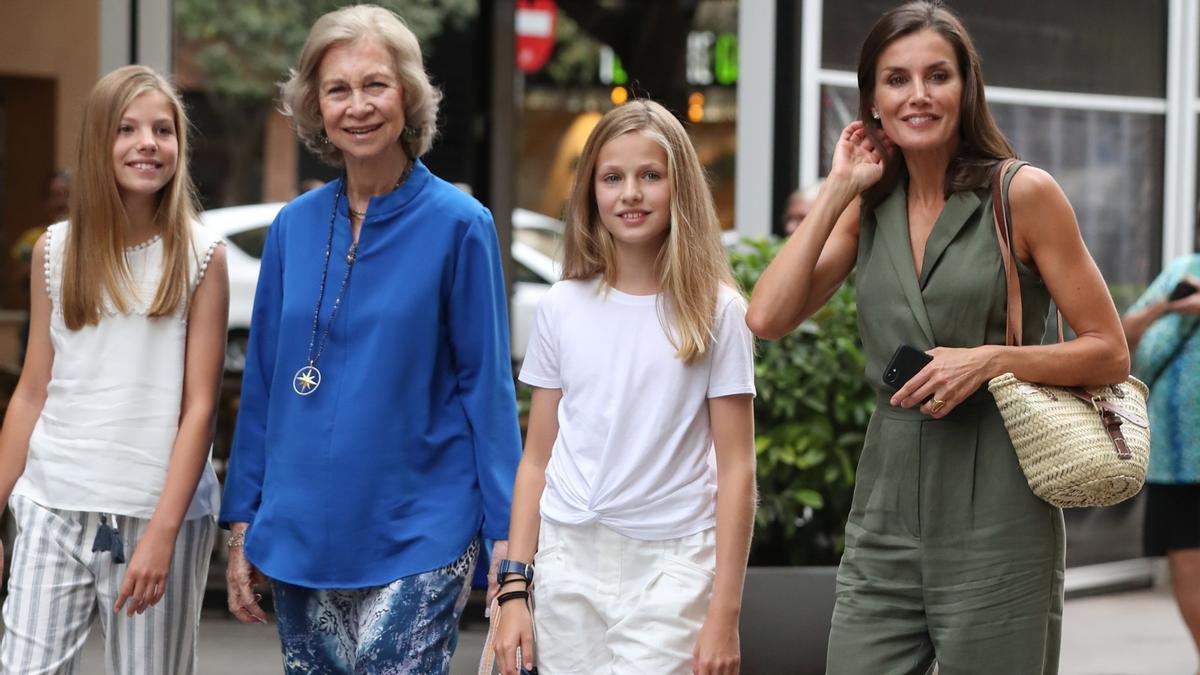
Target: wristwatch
{"x": 507, "y": 567}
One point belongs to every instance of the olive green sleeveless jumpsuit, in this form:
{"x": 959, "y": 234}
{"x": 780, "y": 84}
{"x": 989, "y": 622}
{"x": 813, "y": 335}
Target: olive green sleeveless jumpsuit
{"x": 949, "y": 558}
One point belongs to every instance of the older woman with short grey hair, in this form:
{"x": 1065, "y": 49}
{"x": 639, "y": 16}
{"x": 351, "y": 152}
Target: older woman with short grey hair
{"x": 377, "y": 440}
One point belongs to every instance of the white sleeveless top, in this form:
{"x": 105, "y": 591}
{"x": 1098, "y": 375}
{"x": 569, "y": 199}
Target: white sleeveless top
{"x": 108, "y": 427}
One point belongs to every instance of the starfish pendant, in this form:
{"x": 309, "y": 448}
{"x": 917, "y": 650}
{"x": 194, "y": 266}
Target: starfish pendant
{"x": 307, "y": 380}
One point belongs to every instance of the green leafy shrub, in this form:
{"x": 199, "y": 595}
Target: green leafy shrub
{"x": 810, "y": 418}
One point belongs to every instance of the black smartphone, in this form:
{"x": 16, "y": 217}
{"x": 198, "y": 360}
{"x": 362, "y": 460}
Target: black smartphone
{"x": 906, "y": 361}
{"x": 1181, "y": 291}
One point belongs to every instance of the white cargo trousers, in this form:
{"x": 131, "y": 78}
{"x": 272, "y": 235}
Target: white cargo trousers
{"x": 606, "y": 603}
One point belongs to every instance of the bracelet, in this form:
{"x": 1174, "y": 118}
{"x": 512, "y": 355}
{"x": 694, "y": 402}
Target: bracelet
{"x": 236, "y": 540}
{"x": 512, "y": 595}
{"x": 507, "y": 568}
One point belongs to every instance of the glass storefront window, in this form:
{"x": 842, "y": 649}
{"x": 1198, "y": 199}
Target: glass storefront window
{"x": 839, "y": 106}
{"x": 1110, "y": 165}
{"x": 1196, "y": 204}
{"x": 1085, "y": 46}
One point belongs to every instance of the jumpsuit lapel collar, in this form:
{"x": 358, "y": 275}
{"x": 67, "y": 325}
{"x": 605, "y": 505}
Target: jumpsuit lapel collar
{"x": 958, "y": 209}
{"x": 892, "y": 226}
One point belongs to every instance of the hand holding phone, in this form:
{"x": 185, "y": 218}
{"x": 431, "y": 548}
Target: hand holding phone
{"x": 906, "y": 362}
{"x": 1182, "y": 290}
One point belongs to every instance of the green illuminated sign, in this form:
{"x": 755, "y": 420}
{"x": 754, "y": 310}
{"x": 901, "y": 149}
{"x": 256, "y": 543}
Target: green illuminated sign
{"x": 611, "y": 70}
{"x": 712, "y": 58}
{"x": 725, "y": 58}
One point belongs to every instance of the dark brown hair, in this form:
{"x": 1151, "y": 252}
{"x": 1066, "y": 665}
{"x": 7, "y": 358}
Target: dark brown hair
{"x": 981, "y": 144}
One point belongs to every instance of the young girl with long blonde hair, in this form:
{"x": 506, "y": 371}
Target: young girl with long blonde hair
{"x": 104, "y": 452}
{"x": 636, "y": 489}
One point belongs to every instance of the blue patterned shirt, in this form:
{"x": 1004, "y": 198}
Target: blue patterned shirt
{"x": 1174, "y": 380}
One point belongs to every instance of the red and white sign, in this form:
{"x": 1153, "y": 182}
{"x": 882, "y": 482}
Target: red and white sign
{"x": 536, "y": 22}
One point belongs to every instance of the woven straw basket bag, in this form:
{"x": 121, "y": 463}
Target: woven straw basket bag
{"x": 1063, "y": 447}
{"x": 1077, "y": 446}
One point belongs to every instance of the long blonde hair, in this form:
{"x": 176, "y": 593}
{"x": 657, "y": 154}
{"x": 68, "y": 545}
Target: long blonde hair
{"x": 94, "y": 266}
{"x": 691, "y": 264}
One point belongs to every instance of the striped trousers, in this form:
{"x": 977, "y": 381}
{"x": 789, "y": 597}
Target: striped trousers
{"x": 57, "y": 583}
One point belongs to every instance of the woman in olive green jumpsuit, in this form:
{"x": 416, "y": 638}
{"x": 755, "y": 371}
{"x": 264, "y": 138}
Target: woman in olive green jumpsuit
{"x": 949, "y": 556}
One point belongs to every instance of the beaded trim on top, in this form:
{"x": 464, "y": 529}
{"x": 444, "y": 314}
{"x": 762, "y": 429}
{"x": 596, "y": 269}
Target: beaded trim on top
{"x": 145, "y": 244}
{"x": 49, "y": 237}
{"x": 108, "y": 308}
{"x": 128, "y": 249}
{"x": 212, "y": 247}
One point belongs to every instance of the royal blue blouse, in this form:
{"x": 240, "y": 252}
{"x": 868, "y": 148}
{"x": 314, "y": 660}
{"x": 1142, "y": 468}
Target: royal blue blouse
{"x": 408, "y": 448}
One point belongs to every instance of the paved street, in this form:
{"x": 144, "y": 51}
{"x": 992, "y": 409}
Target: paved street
{"x": 1131, "y": 633}
{"x": 228, "y": 647}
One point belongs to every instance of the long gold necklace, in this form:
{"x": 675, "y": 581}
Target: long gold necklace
{"x": 308, "y": 378}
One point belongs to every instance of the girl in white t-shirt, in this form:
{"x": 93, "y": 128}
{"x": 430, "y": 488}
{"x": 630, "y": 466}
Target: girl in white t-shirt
{"x": 104, "y": 452}
{"x": 637, "y": 485}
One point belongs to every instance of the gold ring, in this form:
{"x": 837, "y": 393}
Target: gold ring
{"x": 936, "y": 404}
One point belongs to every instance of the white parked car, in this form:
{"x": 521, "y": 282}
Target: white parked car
{"x": 536, "y": 252}
{"x": 537, "y": 263}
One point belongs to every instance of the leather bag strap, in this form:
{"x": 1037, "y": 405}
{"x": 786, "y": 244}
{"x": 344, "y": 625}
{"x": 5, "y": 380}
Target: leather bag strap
{"x": 1013, "y": 325}
{"x": 1014, "y": 320}
{"x": 1110, "y": 415}
{"x": 1106, "y": 407}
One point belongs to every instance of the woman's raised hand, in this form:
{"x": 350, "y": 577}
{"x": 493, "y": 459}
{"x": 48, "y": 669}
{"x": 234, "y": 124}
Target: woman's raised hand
{"x": 857, "y": 159}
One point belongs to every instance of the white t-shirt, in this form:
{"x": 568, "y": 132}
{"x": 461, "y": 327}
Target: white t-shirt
{"x": 634, "y": 450}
